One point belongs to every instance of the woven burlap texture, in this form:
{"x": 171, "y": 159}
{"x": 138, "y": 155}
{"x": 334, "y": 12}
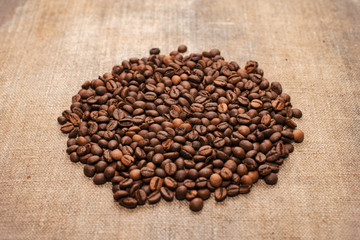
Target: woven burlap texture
{"x": 49, "y": 48}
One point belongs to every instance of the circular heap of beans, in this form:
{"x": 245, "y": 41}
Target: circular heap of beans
{"x": 168, "y": 126}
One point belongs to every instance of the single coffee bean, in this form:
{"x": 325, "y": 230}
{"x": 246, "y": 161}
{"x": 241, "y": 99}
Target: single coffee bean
{"x": 215, "y": 180}
{"x": 154, "y": 197}
{"x": 246, "y": 180}
{"x": 99, "y": 179}
{"x": 196, "y": 204}
{"x": 128, "y": 202}
{"x": 298, "y": 135}
{"x": 170, "y": 168}
{"x": 220, "y": 194}
{"x": 156, "y": 183}
{"x": 127, "y": 160}
{"x": 180, "y": 192}
{"x": 170, "y": 183}
{"x": 233, "y": 190}
{"x": 167, "y": 194}
{"x": 120, "y": 194}
{"x": 140, "y": 196}
{"x": 204, "y": 193}
{"x": 271, "y": 179}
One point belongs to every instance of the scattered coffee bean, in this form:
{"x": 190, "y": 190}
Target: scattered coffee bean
{"x": 179, "y": 126}
{"x": 196, "y": 204}
{"x": 298, "y": 135}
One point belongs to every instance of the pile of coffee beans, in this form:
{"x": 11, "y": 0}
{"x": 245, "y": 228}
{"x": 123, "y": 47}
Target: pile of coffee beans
{"x": 175, "y": 126}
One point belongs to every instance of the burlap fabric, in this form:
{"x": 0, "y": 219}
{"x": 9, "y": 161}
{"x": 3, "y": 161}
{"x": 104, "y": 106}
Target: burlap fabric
{"x": 49, "y": 48}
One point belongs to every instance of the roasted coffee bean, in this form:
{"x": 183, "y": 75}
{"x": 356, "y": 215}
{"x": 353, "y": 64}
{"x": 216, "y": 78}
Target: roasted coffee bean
{"x": 191, "y": 124}
{"x": 233, "y": 190}
{"x": 170, "y": 182}
{"x": 220, "y": 194}
{"x": 215, "y": 180}
{"x": 140, "y": 196}
{"x": 154, "y": 197}
{"x": 120, "y": 194}
{"x": 196, "y": 204}
{"x": 99, "y": 179}
{"x": 127, "y": 160}
{"x": 271, "y": 179}
{"x": 167, "y": 194}
{"x": 156, "y": 183}
{"x": 128, "y": 202}
{"x": 298, "y": 135}
{"x": 170, "y": 168}
{"x": 204, "y": 193}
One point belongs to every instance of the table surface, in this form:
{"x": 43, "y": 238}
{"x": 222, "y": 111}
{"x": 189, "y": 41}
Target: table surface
{"x": 49, "y": 48}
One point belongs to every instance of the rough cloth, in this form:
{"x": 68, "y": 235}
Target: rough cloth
{"x": 49, "y": 48}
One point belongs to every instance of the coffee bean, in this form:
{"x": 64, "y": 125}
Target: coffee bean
{"x": 233, "y": 190}
{"x": 99, "y": 179}
{"x": 120, "y": 194}
{"x": 246, "y": 180}
{"x": 298, "y": 135}
{"x": 190, "y": 124}
{"x": 191, "y": 194}
{"x": 271, "y": 179}
{"x": 127, "y": 160}
{"x": 215, "y": 180}
{"x": 170, "y": 183}
{"x": 182, "y": 48}
{"x": 296, "y": 113}
{"x": 156, "y": 183}
{"x": 140, "y": 196}
{"x": 170, "y": 168}
{"x": 67, "y": 127}
{"x": 155, "y": 51}
{"x": 154, "y": 197}
{"x": 226, "y": 173}
{"x": 203, "y": 193}
{"x": 220, "y": 194}
{"x": 167, "y": 194}
{"x": 128, "y": 202}
{"x": 180, "y": 192}
{"x": 196, "y": 204}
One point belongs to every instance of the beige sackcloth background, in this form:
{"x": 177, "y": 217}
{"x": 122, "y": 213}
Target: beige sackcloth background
{"x": 49, "y": 48}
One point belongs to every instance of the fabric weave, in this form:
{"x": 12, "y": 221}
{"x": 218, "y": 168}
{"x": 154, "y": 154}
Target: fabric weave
{"x": 49, "y": 48}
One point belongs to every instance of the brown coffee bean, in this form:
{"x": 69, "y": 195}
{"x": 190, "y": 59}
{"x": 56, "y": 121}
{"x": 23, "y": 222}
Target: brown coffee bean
{"x": 191, "y": 124}
{"x": 182, "y": 48}
{"x": 120, "y": 194}
{"x": 246, "y": 180}
{"x": 127, "y": 160}
{"x": 167, "y": 194}
{"x": 215, "y": 180}
{"x": 135, "y": 174}
{"x": 204, "y": 193}
{"x": 128, "y": 202}
{"x": 156, "y": 183}
{"x": 99, "y": 179}
{"x": 180, "y": 192}
{"x": 170, "y": 183}
{"x": 298, "y": 135}
{"x": 233, "y": 190}
{"x": 170, "y": 168}
{"x": 196, "y": 204}
{"x": 140, "y": 196}
{"x": 116, "y": 155}
{"x": 67, "y": 127}
{"x": 271, "y": 179}
{"x": 226, "y": 173}
{"x": 220, "y": 194}
{"x": 296, "y": 113}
